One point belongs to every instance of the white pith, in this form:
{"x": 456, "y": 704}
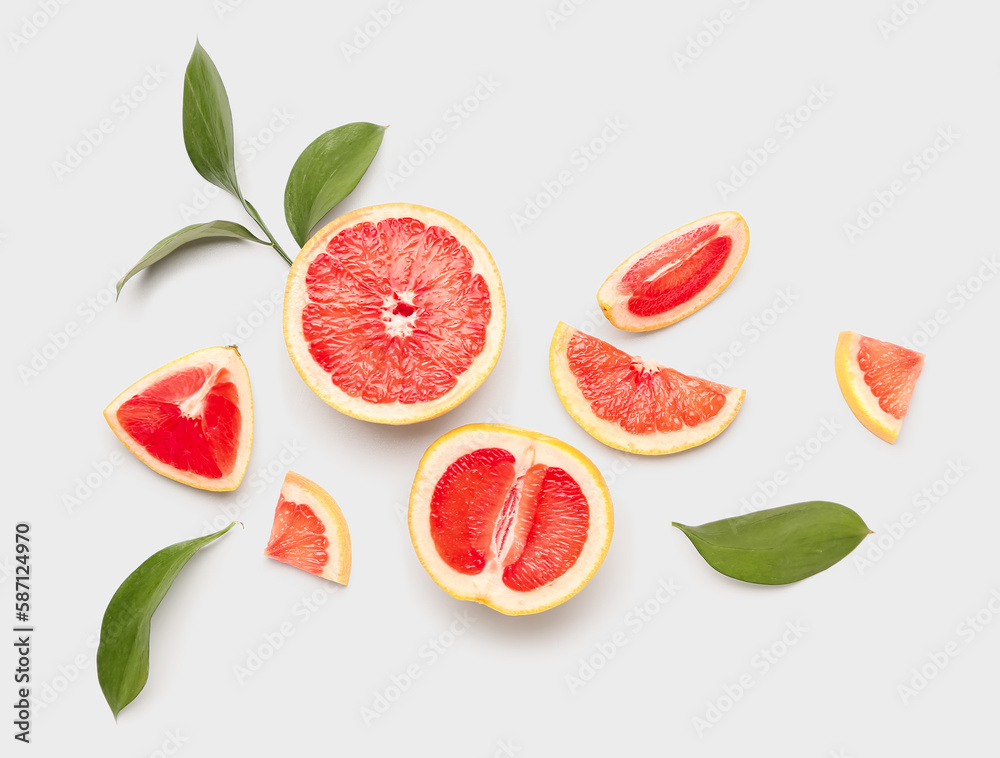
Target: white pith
{"x": 194, "y": 406}
{"x": 396, "y": 324}
{"x": 614, "y": 301}
{"x": 487, "y": 587}
{"x": 296, "y": 298}
{"x": 218, "y": 358}
{"x": 511, "y": 515}
{"x": 610, "y": 433}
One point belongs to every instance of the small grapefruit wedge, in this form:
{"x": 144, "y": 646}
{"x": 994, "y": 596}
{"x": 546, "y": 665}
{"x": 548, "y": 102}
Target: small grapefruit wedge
{"x": 513, "y": 519}
{"x": 877, "y": 379}
{"x": 394, "y": 313}
{"x": 309, "y": 531}
{"x": 632, "y": 404}
{"x": 677, "y": 274}
{"x": 191, "y": 420}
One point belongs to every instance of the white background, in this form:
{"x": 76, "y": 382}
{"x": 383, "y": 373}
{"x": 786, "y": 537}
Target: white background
{"x": 502, "y": 684}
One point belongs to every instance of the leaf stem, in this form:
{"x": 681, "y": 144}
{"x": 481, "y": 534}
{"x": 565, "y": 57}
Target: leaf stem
{"x": 252, "y": 212}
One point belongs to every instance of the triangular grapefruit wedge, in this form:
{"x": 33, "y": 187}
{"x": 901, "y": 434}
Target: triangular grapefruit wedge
{"x": 190, "y": 420}
{"x": 510, "y": 518}
{"x": 394, "y": 313}
{"x": 676, "y": 274}
{"x": 309, "y": 531}
{"x": 877, "y": 379}
{"x": 633, "y": 404}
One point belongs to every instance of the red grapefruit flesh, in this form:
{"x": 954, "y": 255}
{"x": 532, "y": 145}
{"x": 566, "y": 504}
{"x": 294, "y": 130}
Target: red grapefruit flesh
{"x": 509, "y": 518}
{"x": 394, "y": 313}
{"x": 633, "y": 404}
{"x": 309, "y": 531}
{"x": 191, "y": 420}
{"x": 877, "y": 379}
{"x": 677, "y": 274}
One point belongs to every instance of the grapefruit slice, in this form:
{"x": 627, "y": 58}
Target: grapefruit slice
{"x": 677, "y": 274}
{"x": 309, "y": 531}
{"x": 633, "y": 404}
{"x": 394, "y": 313}
{"x": 191, "y": 420}
{"x": 877, "y": 379}
{"x": 509, "y": 518}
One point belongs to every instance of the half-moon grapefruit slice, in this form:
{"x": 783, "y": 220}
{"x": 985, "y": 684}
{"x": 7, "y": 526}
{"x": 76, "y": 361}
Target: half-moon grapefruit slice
{"x": 633, "y": 404}
{"x": 513, "y": 519}
{"x": 877, "y": 379}
{"x": 394, "y": 313}
{"x": 309, "y": 531}
{"x": 677, "y": 274}
{"x": 191, "y": 420}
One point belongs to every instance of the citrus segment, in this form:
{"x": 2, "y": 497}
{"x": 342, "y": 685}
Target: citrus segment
{"x": 675, "y": 275}
{"x": 633, "y": 404}
{"x": 509, "y": 518}
{"x": 309, "y": 531}
{"x": 394, "y": 313}
{"x": 191, "y": 420}
{"x": 877, "y": 380}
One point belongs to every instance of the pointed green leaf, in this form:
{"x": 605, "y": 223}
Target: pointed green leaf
{"x": 208, "y": 122}
{"x": 167, "y": 245}
{"x": 326, "y": 172}
{"x": 123, "y": 652}
{"x": 779, "y": 545}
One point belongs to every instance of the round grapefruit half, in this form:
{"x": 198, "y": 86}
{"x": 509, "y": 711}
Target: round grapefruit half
{"x": 513, "y": 519}
{"x": 394, "y": 313}
{"x": 309, "y": 531}
{"x": 191, "y": 420}
{"x": 633, "y": 404}
{"x": 677, "y": 274}
{"x": 877, "y": 379}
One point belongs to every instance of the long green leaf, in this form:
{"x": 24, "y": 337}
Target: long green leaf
{"x": 779, "y": 545}
{"x": 123, "y": 652}
{"x": 326, "y": 172}
{"x": 167, "y": 245}
{"x": 208, "y": 122}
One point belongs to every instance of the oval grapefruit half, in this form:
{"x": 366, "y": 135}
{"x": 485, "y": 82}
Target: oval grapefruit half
{"x": 633, "y": 404}
{"x": 513, "y": 519}
{"x": 309, "y": 531}
{"x": 394, "y": 313}
{"x": 191, "y": 420}
{"x": 877, "y": 379}
{"x": 677, "y": 274}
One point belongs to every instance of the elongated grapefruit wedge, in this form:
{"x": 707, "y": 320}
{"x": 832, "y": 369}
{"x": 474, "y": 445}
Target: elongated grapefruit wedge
{"x": 309, "y": 531}
{"x": 394, "y": 313}
{"x": 677, "y": 274}
{"x": 877, "y": 379}
{"x": 191, "y": 420}
{"x": 632, "y": 404}
{"x": 509, "y": 518}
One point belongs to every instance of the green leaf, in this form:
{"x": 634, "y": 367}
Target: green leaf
{"x": 208, "y": 122}
{"x": 123, "y": 652}
{"x": 326, "y": 172}
{"x": 779, "y": 545}
{"x": 167, "y": 245}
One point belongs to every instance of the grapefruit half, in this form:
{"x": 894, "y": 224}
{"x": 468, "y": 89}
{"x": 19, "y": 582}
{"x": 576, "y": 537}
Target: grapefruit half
{"x": 677, "y": 274}
{"x": 191, "y": 420}
{"x": 513, "y": 519}
{"x": 633, "y": 404}
{"x": 309, "y": 531}
{"x": 877, "y": 379}
{"x": 394, "y": 313}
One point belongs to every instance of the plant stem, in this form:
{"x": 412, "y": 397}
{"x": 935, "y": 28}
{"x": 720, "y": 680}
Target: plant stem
{"x": 252, "y": 212}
